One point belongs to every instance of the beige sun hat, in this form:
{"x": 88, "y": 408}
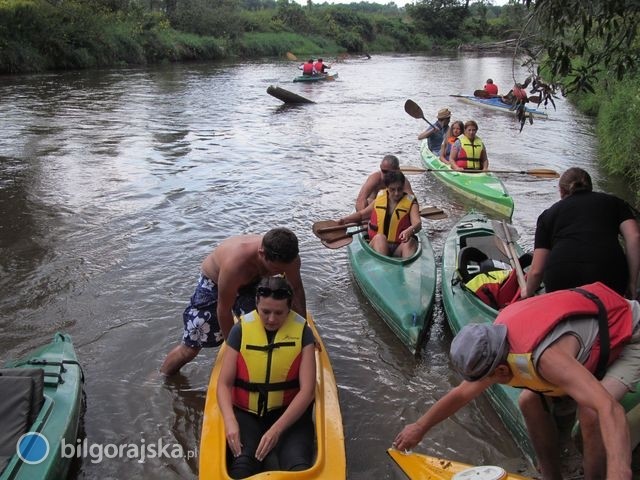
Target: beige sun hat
{"x": 444, "y": 113}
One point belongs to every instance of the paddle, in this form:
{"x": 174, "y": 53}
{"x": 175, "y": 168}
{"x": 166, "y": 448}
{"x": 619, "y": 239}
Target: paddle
{"x": 291, "y": 56}
{"x": 413, "y": 109}
{"x": 328, "y": 226}
{"x": 341, "y": 239}
{"x": 535, "y": 172}
{"x": 505, "y": 235}
{"x": 433, "y": 213}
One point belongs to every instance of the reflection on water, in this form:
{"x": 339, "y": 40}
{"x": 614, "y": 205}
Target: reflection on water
{"x": 115, "y": 184}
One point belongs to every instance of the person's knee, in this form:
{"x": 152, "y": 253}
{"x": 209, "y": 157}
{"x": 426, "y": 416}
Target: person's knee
{"x": 244, "y": 466}
{"x": 529, "y": 401}
{"x": 177, "y": 358}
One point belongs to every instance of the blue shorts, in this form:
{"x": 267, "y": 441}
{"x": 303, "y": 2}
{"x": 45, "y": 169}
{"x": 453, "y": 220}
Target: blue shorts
{"x": 200, "y": 318}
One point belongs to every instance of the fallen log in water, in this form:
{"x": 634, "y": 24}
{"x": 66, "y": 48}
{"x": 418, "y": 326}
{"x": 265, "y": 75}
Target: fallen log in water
{"x": 286, "y": 96}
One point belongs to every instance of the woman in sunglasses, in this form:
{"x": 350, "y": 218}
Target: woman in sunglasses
{"x": 267, "y": 384}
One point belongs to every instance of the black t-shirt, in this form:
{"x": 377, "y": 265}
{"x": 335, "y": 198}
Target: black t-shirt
{"x": 582, "y": 233}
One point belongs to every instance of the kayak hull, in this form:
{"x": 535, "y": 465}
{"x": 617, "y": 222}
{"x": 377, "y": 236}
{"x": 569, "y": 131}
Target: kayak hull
{"x": 59, "y": 417}
{"x": 497, "y": 105}
{"x": 330, "y": 459}
{"x": 316, "y": 78}
{"x": 462, "y": 307}
{"x": 484, "y": 189}
{"x": 401, "y": 291}
{"x": 417, "y": 467}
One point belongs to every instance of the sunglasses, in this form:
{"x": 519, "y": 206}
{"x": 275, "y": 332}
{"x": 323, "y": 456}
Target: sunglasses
{"x": 276, "y": 293}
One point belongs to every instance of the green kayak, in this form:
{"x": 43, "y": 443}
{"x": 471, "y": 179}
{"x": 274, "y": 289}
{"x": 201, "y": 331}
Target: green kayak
{"x": 44, "y": 391}
{"x": 463, "y": 307}
{"x": 316, "y": 78}
{"x": 484, "y": 189}
{"x": 401, "y": 290}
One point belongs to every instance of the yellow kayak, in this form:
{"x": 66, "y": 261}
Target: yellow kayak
{"x": 330, "y": 460}
{"x": 417, "y": 467}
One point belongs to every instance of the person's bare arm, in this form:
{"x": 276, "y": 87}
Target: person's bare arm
{"x": 224, "y": 396}
{"x": 358, "y": 216}
{"x": 407, "y": 187}
{"x": 299, "y": 300}
{"x": 448, "y": 405}
{"x": 453, "y": 156}
{"x": 536, "y": 271}
{"x": 427, "y": 133}
{"x": 228, "y": 285}
{"x": 559, "y": 367}
{"x": 296, "y": 408}
{"x": 369, "y": 188}
{"x": 484, "y": 159}
{"x": 631, "y": 234}
{"x": 416, "y": 223}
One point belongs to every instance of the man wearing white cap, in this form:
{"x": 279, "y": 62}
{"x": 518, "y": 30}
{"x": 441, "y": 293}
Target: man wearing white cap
{"x": 435, "y": 136}
{"x": 551, "y": 345}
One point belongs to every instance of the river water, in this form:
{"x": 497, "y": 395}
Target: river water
{"x": 114, "y": 184}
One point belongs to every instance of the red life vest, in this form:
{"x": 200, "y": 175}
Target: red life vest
{"x": 520, "y": 94}
{"x": 307, "y": 69}
{"x": 530, "y": 320}
{"x": 319, "y": 66}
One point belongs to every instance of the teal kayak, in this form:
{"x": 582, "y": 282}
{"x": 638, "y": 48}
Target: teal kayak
{"x": 316, "y": 78}
{"x": 46, "y": 394}
{"x": 484, "y": 189}
{"x": 496, "y": 104}
{"x": 401, "y": 290}
{"x": 463, "y": 307}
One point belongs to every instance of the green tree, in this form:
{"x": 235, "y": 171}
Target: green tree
{"x": 439, "y": 18}
{"x": 585, "y": 40}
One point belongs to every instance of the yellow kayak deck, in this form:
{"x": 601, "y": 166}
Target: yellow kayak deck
{"x": 330, "y": 461}
{"x": 423, "y": 467}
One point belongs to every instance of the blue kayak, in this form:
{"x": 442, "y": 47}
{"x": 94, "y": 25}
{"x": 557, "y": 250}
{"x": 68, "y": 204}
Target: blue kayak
{"x": 497, "y": 104}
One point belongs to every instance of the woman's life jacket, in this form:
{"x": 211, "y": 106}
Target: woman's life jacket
{"x": 267, "y": 373}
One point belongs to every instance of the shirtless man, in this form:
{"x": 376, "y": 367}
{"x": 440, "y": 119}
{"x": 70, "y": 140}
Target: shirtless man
{"x": 226, "y": 286}
{"x": 375, "y": 182}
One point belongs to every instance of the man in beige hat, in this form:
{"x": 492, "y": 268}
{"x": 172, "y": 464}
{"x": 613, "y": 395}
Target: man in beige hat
{"x": 435, "y": 136}
{"x": 550, "y": 345}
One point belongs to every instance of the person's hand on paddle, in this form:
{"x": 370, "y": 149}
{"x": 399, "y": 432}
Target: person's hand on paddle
{"x": 407, "y": 233}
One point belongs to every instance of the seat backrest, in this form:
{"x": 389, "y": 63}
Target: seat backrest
{"x": 37, "y": 381}
{"x": 14, "y": 412}
{"x": 469, "y": 260}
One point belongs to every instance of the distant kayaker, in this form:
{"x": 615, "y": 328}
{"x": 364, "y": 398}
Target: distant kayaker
{"x": 307, "y": 68}
{"x": 435, "y": 136}
{"x": 320, "y": 66}
{"x": 577, "y": 240}
{"x": 516, "y": 95}
{"x": 455, "y": 130}
{"x": 228, "y": 277}
{"x": 468, "y": 152}
{"x": 490, "y": 87}
{"x": 267, "y": 385}
{"x": 394, "y": 219}
{"x": 375, "y": 182}
{"x": 550, "y": 345}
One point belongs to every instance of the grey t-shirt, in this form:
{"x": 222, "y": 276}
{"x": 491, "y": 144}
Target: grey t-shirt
{"x": 585, "y": 330}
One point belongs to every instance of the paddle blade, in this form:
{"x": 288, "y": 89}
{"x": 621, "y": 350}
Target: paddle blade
{"x": 341, "y": 242}
{"x": 505, "y": 231}
{"x": 433, "y": 213}
{"x": 543, "y": 173}
{"x": 413, "y": 109}
{"x": 291, "y": 56}
{"x": 410, "y": 169}
{"x": 326, "y": 226}
{"x": 481, "y": 94}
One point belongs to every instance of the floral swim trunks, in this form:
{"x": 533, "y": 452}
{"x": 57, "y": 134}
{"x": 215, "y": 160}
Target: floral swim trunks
{"x": 201, "y": 328}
